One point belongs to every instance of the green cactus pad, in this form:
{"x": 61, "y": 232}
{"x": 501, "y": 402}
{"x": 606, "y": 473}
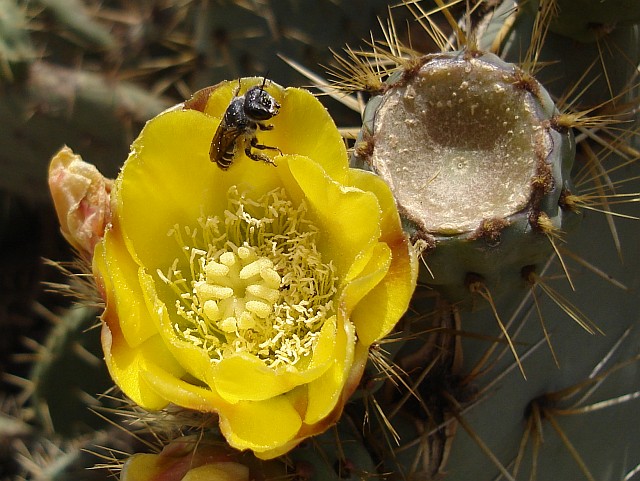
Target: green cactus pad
{"x": 70, "y": 375}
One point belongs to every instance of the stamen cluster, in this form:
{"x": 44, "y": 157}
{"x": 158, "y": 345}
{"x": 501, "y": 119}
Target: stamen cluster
{"x": 256, "y": 282}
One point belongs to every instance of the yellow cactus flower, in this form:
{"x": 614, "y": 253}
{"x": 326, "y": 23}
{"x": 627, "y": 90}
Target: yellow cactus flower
{"x": 253, "y": 292}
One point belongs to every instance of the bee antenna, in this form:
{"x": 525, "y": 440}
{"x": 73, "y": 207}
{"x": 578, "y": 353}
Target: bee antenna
{"x": 237, "y": 89}
{"x": 264, "y": 80}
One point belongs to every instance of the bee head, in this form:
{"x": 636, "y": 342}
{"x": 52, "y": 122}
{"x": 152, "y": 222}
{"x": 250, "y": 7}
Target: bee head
{"x": 259, "y": 105}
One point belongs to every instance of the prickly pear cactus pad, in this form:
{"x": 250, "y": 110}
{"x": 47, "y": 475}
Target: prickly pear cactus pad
{"x": 478, "y": 165}
{"x": 250, "y": 289}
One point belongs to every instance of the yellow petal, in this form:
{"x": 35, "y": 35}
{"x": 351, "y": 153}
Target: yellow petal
{"x": 369, "y": 277}
{"x": 128, "y": 367}
{"x": 325, "y": 392}
{"x": 360, "y": 359}
{"x": 124, "y": 361}
{"x": 245, "y": 377}
{"x": 114, "y": 264}
{"x": 141, "y": 467}
{"x": 390, "y": 218}
{"x": 182, "y": 393}
{"x": 168, "y": 179}
{"x": 347, "y": 218}
{"x": 192, "y": 358}
{"x": 261, "y": 425}
{"x": 389, "y": 299}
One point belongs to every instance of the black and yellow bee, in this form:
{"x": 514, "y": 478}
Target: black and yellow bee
{"x": 240, "y": 122}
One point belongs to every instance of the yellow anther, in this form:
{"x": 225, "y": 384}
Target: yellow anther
{"x": 228, "y": 259}
{"x": 235, "y": 301}
{"x": 246, "y": 321}
{"x": 259, "y": 308}
{"x": 211, "y": 310}
{"x": 213, "y": 268}
{"x": 255, "y": 268}
{"x": 244, "y": 252}
{"x": 264, "y": 292}
{"x": 228, "y": 325}
{"x": 271, "y": 278}
{"x": 206, "y": 291}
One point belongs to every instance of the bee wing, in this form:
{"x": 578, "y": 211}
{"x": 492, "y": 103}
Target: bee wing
{"x": 223, "y": 140}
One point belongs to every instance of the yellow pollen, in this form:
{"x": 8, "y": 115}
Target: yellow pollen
{"x": 271, "y": 278}
{"x": 259, "y": 308}
{"x": 251, "y": 280}
{"x": 264, "y": 291}
{"x": 228, "y": 324}
{"x": 256, "y": 267}
{"x": 246, "y": 321}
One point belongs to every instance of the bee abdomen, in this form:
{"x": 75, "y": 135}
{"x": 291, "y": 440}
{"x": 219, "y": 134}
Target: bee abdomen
{"x": 225, "y": 160}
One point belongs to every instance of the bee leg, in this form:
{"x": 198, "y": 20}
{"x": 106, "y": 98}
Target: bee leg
{"x": 265, "y": 126}
{"x": 256, "y": 145}
{"x": 258, "y": 157}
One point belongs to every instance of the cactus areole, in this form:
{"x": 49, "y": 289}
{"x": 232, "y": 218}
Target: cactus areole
{"x": 470, "y": 148}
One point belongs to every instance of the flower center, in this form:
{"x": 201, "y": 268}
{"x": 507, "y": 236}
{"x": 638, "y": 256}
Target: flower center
{"x": 256, "y": 282}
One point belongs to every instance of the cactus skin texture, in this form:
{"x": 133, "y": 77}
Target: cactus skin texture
{"x": 585, "y": 429}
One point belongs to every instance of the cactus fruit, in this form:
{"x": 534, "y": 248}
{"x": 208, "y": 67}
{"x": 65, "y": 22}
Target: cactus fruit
{"x": 460, "y": 374}
{"x": 478, "y": 165}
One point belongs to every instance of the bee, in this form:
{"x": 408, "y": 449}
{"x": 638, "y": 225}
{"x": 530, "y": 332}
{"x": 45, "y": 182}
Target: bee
{"x": 240, "y": 122}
